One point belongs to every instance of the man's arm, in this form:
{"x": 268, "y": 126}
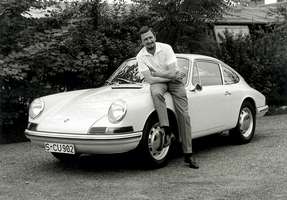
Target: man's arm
{"x": 152, "y": 79}
{"x": 171, "y": 73}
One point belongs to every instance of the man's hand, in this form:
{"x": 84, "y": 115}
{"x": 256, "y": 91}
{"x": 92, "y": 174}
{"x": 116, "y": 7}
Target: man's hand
{"x": 170, "y": 73}
{"x": 179, "y": 76}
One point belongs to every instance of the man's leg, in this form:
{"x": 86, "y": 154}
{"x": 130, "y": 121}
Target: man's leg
{"x": 157, "y": 92}
{"x": 180, "y": 101}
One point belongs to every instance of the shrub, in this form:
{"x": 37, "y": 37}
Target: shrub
{"x": 260, "y": 61}
{"x": 81, "y": 46}
{"x": 76, "y": 48}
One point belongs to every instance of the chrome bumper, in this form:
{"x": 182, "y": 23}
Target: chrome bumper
{"x": 89, "y": 144}
{"x": 261, "y": 111}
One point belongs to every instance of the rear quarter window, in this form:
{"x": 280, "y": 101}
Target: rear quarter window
{"x": 230, "y": 77}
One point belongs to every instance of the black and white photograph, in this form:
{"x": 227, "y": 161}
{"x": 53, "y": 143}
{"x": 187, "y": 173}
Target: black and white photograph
{"x": 143, "y": 99}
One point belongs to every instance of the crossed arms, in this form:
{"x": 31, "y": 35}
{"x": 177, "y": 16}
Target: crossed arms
{"x": 165, "y": 76}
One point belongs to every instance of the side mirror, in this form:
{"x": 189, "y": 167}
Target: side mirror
{"x": 197, "y": 88}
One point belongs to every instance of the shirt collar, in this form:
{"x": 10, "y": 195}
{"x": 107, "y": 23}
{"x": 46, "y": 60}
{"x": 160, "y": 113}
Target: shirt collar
{"x": 158, "y": 49}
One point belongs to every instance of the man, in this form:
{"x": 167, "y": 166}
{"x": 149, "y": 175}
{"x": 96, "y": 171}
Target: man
{"x": 158, "y": 64}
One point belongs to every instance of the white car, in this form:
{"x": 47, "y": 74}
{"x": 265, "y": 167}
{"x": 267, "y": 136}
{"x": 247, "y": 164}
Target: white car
{"x": 120, "y": 116}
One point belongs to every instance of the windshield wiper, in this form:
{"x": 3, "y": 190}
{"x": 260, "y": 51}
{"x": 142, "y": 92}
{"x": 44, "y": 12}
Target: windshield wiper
{"x": 111, "y": 82}
{"x": 128, "y": 81}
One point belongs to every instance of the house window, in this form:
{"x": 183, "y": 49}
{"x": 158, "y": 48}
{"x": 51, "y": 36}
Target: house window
{"x": 232, "y": 29}
{"x": 270, "y": 1}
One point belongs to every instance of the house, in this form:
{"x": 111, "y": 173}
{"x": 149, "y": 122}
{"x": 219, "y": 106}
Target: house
{"x": 255, "y": 14}
{"x": 267, "y": 3}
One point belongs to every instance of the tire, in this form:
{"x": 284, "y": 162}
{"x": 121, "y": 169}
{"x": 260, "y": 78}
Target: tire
{"x": 245, "y": 128}
{"x": 66, "y": 157}
{"x": 150, "y": 156}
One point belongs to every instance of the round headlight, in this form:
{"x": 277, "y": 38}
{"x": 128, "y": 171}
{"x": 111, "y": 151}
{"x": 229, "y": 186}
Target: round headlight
{"x": 36, "y": 108}
{"x": 117, "y": 111}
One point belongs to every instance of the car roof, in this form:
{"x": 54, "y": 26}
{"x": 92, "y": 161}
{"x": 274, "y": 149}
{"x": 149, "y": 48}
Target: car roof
{"x": 191, "y": 56}
{"x": 195, "y": 56}
{"x": 203, "y": 57}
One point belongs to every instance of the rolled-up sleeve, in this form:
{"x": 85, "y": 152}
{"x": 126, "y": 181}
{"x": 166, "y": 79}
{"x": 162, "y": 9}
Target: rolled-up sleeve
{"x": 171, "y": 58}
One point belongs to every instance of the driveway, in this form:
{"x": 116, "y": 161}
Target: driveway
{"x": 257, "y": 170}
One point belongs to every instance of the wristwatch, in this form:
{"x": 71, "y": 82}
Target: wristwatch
{"x": 176, "y": 72}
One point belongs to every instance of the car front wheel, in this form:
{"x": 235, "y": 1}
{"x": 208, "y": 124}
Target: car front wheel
{"x": 153, "y": 156}
{"x": 245, "y": 128}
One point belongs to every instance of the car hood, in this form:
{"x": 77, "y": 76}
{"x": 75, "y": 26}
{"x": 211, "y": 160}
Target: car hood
{"x": 76, "y": 112}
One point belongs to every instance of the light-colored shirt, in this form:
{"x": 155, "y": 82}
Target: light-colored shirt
{"x": 162, "y": 57}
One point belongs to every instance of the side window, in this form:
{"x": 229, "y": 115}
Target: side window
{"x": 209, "y": 73}
{"x": 183, "y": 66}
{"x": 230, "y": 77}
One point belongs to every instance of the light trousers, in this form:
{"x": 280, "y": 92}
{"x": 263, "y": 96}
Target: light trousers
{"x": 178, "y": 94}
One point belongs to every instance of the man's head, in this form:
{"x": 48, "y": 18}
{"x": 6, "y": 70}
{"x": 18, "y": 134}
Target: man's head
{"x": 147, "y": 37}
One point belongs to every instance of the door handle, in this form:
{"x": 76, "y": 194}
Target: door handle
{"x": 227, "y": 93}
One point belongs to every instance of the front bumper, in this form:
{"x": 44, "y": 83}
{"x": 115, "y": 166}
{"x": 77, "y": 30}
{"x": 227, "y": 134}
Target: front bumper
{"x": 88, "y": 144}
{"x": 261, "y": 111}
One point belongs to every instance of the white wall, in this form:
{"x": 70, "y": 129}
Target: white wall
{"x": 270, "y": 1}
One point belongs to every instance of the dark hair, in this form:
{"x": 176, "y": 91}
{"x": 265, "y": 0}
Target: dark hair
{"x": 145, "y": 29}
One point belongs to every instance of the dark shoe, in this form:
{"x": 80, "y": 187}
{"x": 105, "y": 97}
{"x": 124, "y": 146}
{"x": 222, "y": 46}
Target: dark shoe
{"x": 162, "y": 140}
{"x": 167, "y": 136}
{"x": 167, "y": 140}
{"x": 191, "y": 161}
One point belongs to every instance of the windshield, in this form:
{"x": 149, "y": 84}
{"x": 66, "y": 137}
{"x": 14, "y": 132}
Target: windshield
{"x": 127, "y": 73}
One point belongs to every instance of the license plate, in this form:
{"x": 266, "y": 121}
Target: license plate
{"x": 60, "y": 148}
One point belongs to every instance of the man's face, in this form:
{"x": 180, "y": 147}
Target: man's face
{"x": 148, "y": 40}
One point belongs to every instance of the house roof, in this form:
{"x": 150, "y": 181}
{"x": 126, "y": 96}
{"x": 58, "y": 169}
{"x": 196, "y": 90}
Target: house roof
{"x": 248, "y": 15}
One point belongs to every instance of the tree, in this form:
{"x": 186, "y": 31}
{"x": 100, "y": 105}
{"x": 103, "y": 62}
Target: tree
{"x": 280, "y": 36}
{"x": 15, "y": 35}
{"x": 183, "y": 23}
{"x": 75, "y": 48}
{"x": 261, "y": 57}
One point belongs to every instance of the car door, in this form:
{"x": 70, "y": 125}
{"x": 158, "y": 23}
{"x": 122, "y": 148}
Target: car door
{"x": 209, "y": 108}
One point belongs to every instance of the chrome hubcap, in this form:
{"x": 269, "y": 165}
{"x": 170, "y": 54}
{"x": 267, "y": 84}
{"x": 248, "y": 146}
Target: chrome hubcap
{"x": 246, "y": 122}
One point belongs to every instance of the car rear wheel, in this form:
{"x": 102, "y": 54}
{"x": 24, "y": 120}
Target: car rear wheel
{"x": 245, "y": 128}
{"x": 149, "y": 146}
{"x": 66, "y": 157}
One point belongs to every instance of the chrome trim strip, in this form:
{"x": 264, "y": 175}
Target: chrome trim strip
{"x": 263, "y": 109}
{"x": 82, "y": 136}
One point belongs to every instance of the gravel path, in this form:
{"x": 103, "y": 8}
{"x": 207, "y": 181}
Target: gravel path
{"x": 257, "y": 170}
